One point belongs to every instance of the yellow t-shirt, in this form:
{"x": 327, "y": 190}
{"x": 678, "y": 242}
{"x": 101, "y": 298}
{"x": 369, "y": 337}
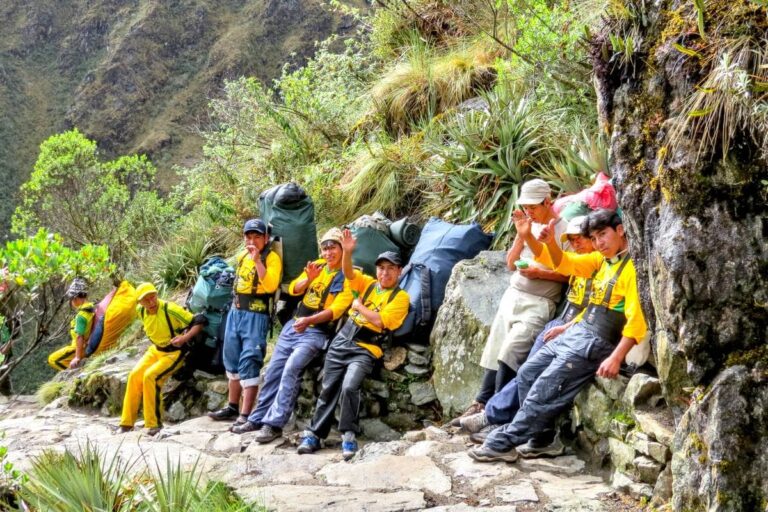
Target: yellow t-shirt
{"x": 393, "y": 311}
{"x": 577, "y": 290}
{"x": 338, "y": 303}
{"x": 624, "y": 299}
{"x": 156, "y": 326}
{"x": 246, "y": 273}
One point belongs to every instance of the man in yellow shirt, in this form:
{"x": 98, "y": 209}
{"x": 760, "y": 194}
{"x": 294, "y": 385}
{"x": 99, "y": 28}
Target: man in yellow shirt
{"x": 258, "y": 275}
{"x": 379, "y": 307}
{"x": 326, "y": 298}
{"x": 169, "y": 327}
{"x": 597, "y": 343}
{"x": 79, "y": 329}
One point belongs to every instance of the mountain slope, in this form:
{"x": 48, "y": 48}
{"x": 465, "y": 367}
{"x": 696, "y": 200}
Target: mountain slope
{"x": 135, "y": 75}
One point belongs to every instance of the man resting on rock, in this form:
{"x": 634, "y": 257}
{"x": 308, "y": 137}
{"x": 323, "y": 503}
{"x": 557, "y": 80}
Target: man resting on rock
{"x": 326, "y": 298}
{"x": 379, "y": 307}
{"x": 611, "y": 325}
{"x": 503, "y": 405}
{"x": 528, "y": 303}
{"x": 169, "y": 327}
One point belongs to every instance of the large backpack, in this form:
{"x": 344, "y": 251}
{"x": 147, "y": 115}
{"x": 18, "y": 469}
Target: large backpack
{"x": 211, "y": 296}
{"x": 291, "y": 214}
{"x": 370, "y": 243}
{"x": 114, "y": 313}
{"x": 440, "y": 247}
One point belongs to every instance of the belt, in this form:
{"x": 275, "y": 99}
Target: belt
{"x": 254, "y": 303}
{"x": 604, "y": 322}
{"x": 168, "y": 348}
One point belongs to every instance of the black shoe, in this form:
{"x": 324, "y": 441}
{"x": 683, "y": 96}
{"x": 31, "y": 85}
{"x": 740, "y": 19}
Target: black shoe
{"x": 223, "y": 414}
{"x": 267, "y": 434}
{"x": 122, "y": 429}
{"x": 245, "y": 427}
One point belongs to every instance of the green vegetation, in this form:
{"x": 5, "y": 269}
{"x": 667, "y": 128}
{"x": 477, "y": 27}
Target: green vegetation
{"x": 50, "y": 391}
{"x": 37, "y": 270}
{"x": 90, "y": 479}
{"x": 73, "y": 193}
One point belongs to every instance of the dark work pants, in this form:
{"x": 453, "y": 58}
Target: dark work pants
{"x": 487, "y": 387}
{"x": 548, "y": 382}
{"x": 346, "y": 366}
{"x": 503, "y": 406}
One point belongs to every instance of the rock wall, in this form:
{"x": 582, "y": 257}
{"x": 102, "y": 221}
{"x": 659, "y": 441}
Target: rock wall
{"x": 695, "y": 204}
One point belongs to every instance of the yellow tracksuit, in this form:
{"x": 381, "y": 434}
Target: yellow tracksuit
{"x": 80, "y": 325}
{"x": 145, "y": 382}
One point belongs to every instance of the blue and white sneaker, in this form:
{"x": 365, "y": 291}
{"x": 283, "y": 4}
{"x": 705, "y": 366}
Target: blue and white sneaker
{"x": 348, "y": 445}
{"x": 310, "y": 443}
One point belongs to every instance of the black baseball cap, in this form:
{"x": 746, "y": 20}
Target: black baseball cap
{"x": 390, "y": 256}
{"x": 255, "y": 225}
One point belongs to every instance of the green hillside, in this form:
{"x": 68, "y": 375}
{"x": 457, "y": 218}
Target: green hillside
{"x": 137, "y": 75}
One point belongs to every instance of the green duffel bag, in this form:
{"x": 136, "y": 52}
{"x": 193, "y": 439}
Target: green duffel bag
{"x": 370, "y": 243}
{"x": 291, "y": 213}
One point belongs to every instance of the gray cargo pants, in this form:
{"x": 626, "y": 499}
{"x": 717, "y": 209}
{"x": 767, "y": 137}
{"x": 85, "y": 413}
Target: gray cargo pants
{"x": 548, "y": 382}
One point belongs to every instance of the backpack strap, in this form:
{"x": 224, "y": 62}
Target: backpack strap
{"x": 612, "y": 282}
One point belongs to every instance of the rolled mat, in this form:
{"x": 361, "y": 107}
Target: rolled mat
{"x": 404, "y": 233}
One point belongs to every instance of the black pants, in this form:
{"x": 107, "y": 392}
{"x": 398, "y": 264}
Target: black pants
{"x": 346, "y": 366}
{"x": 494, "y": 381}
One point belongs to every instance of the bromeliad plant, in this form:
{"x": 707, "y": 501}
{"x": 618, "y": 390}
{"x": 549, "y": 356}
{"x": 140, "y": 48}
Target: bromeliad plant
{"x": 484, "y": 156}
{"x": 90, "y": 479}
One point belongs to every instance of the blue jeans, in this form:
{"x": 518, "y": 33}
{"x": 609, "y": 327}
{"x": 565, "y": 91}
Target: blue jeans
{"x": 245, "y": 343}
{"x": 548, "y": 382}
{"x": 503, "y": 406}
{"x": 293, "y": 353}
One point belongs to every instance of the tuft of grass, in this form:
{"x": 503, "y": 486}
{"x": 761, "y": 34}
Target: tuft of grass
{"x": 729, "y": 100}
{"x": 426, "y": 83}
{"x": 386, "y": 177}
{"x": 50, "y": 391}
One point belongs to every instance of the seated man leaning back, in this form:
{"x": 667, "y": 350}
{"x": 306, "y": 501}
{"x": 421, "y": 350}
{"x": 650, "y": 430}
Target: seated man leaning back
{"x": 611, "y": 325}
{"x": 326, "y": 298}
{"x": 379, "y": 306}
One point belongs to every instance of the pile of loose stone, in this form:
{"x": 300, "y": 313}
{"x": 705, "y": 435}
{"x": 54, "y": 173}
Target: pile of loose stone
{"x": 426, "y": 469}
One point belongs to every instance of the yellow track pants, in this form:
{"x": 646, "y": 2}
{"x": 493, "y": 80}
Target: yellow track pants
{"x": 60, "y": 359}
{"x": 145, "y": 384}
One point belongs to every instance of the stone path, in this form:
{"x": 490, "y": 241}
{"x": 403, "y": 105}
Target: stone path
{"x": 425, "y": 470}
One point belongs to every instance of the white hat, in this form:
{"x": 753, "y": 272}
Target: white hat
{"x": 534, "y": 192}
{"x": 574, "y": 227}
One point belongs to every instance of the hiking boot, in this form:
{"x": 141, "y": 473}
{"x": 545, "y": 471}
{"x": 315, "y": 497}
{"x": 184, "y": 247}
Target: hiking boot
{"x": 153, "y": 431}
{"x": 243, "y": 428}
{"x": 485, "y": 454}
{"x": 533, "y": 449}
{"x": 479, "y": 437}
{"x": 122, "y": 429}
{"x": 310, "y": 443}
{"x": 267, "y": 433}
{"x": 475, "y": 408}
{"x": 223, "y": 414}
{"x": 242, "y": 419}
{"x": 474, "y": 423}
{"x": 348, "y": 445}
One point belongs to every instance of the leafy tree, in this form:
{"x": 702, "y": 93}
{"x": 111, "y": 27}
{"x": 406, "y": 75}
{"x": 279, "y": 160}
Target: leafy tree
{"x": 36, "y": 273}
{"x": 71, "y": 191}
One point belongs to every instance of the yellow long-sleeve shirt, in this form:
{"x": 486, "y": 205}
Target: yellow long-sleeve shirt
{"x": 392, "y": 310}
{"x": 624, "y": 299}
{"x": 156, "y": 325}
{"x": 246, "y": 273}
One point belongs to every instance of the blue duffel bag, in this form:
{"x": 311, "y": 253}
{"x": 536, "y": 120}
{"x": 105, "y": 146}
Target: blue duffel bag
{"x": 440, "y": 247}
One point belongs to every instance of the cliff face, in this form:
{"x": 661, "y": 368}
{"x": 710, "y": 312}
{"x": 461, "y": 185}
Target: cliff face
{"x": 689, "y": 156}
{"x": 136, "y": 75}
